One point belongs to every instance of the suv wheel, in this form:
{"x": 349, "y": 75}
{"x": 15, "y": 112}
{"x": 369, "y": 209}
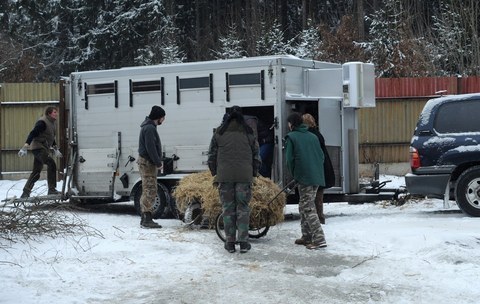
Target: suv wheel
{"x": 467, "y": 192}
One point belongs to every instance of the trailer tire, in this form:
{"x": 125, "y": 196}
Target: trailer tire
{"x": 162, "y": 200}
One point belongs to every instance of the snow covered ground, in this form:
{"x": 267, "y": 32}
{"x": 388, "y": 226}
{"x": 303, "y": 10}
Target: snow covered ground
{"x": 377, "y": 253}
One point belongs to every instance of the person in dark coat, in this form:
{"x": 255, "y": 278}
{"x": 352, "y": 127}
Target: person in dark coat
{"x": 327, "y": 165}
{"x": 149, "y": 162}
{"x": 233, "y": 160}
{"x": 266, "y": 143}
{"x": 304, "y": 159}
{"x": 40, "y": 140}
{"x": 265, "y": 137}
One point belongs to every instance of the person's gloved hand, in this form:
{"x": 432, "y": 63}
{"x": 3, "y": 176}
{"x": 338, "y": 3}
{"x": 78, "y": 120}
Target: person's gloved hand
{"x": 23, "y": 150}
{"x": 57, "y": 152}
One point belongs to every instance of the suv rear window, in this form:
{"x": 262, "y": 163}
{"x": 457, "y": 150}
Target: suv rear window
{"x": 458, "y": 117}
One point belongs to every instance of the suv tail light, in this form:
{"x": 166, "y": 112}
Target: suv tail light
{"x": 414, "y": 158}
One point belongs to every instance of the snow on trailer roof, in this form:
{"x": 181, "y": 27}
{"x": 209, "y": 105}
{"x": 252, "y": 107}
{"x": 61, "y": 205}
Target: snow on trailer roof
{"x": 287, "y": 60}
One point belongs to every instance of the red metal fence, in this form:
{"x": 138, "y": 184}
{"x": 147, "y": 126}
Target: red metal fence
{"x": 425, "y": 86}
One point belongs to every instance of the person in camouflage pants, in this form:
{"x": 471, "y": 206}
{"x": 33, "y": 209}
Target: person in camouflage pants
{"x": 310, "y": 225}
{"x": 236, "y": 212}
{"x": 149, "y": 162}
{"x": 233, "y": 159}
{"x": 148, "y": 174}
{"x": 305, "y": 158}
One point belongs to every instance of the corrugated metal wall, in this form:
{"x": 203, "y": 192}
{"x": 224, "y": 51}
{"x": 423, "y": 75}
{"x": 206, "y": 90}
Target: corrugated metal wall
{"x": 385, "y": 131}
{"x": 21, "y": 106}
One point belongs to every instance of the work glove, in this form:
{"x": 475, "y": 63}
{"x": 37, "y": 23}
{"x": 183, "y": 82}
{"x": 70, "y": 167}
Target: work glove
{"x": 23, "y": 151}
{"x": 57, "y": 152}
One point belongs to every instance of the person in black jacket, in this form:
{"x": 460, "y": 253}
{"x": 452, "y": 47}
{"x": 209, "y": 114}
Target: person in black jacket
{"x": 233, "y": 160}
{"x": 149, "y": 162}
{"x": 327, "y": 165}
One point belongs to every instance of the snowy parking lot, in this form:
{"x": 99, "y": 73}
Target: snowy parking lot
{"x": 420, "y": 252}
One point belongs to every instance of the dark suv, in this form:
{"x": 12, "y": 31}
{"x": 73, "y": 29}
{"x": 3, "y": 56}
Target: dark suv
{"x": 445, "y": 152}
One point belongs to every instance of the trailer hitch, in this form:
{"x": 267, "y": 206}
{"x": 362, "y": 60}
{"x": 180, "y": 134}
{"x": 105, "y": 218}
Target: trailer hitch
{"x": 378, "y": 187}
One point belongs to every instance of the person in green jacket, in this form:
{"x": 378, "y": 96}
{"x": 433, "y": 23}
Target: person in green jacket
{"x": 305, "y": 159}
{"x": 233, "y": 160}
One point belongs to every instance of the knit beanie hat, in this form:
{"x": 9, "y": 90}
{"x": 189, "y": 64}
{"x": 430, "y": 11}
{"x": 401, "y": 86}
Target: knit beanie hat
{"x": 156, "y": 113}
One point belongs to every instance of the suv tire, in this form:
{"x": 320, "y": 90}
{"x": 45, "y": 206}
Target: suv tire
{"x": 467, "y": 192}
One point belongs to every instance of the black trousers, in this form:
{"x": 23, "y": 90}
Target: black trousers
{"x": 42, "y": 157}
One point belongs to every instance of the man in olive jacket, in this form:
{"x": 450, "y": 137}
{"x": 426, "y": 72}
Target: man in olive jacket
{"x": 40, "y": 140}
{"x": 305, "y": 158}
{"x": 234, "y": 160}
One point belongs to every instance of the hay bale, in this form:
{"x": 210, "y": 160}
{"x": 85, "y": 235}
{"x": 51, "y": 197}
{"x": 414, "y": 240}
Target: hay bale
{"x": 264, "y": 211}
{"x": 199, "y": 187}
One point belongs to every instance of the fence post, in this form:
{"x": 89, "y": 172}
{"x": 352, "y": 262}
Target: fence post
{"x": 1, "y": 100}
{"x": 459, "y": 84}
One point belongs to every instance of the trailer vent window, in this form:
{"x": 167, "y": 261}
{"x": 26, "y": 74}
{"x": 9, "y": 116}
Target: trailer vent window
{"x": 244, "y": 79}
{"x": 101, "y": 88}
{"x": 103, "y": 91}
{"x": 150, "y": 87}
{"x": 194, "y": 83}
{"x": 146, "y": 86}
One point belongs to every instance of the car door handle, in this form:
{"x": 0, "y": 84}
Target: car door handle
{"x": 425, "y": 132}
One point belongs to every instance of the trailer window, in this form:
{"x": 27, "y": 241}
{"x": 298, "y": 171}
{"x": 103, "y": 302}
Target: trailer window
{"x": 244, "y": 79}
{"x": 101, "y": 88}
{"x": 194, "y": 83}
{"x": 146, "y": 86}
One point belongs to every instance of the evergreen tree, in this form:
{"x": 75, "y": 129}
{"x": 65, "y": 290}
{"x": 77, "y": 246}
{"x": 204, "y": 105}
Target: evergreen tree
{"x": 230, "y": 45}
{"x": 450, "y": 44}
{"x": 45, "y": 39}
{"x": 393, "y": 49}
{"x": 161, "y": 47}
{"x": 271, "y": 41}
{"x": 170, "y": 50}
{"x": 309, "y": 43}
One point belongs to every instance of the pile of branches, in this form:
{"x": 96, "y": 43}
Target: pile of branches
{"x": 32, "y": 220}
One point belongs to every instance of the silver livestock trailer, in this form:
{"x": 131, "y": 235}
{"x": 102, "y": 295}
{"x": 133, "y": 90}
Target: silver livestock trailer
{"x": 105, "y": 109}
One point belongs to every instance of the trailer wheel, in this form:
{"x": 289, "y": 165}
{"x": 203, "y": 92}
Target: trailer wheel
{"x": 162, "y": 200}
{"x": 219, "y": 228}
{"x": 253, "y": 232}
{"x": 467, "y": 191}
{"x": 256, "y": 233}
{"x": 193, "y": 213}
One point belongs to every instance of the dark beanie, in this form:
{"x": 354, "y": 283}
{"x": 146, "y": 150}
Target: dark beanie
{"x": 236, "y": 109}
{"x": 156, "y": 113}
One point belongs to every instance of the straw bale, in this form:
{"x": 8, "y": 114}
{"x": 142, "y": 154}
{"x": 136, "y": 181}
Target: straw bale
{"x": 263, "y": 211}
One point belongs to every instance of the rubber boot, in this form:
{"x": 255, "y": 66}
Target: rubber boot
{"x": 147, "y": 222}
